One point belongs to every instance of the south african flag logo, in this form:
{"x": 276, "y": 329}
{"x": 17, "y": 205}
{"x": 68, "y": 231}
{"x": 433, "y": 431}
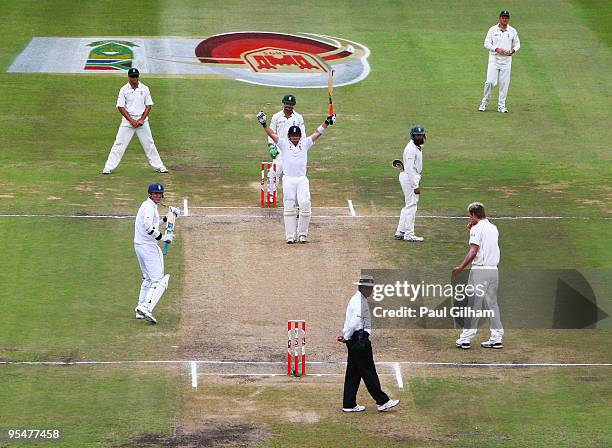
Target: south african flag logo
{"x": 110, "y": 55}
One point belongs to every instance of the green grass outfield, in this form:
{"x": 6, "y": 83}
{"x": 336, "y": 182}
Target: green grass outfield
{"x": 64, "y": 283}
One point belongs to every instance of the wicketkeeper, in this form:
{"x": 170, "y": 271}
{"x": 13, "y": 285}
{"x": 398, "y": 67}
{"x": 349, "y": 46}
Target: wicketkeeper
{"x": 147, "y": 234}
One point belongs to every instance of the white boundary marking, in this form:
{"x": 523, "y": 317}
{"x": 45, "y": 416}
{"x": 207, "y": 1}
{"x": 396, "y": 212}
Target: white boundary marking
{"x": 398, "y": 375}
{"x": 351, "y": 208}
{"x": 194, "y": 374}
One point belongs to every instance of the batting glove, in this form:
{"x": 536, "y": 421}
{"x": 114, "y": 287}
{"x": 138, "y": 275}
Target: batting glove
{"x": 273, "y": 150}
{"x": 330, "y": 120}
{"x": 175, "y": 210}
{"x": 168, "y": 237}
{"x": 261, "y": 117}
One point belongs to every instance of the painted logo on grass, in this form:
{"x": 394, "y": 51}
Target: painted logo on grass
{"x": 264, "y": 58}
{"x": 286, "y": 60}
{"x": 110, "y": 55}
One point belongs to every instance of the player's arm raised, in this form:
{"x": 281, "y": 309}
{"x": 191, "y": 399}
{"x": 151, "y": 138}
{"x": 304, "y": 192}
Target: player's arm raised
{"x": 329, "y": 121}
{"x": 261, "y": 117}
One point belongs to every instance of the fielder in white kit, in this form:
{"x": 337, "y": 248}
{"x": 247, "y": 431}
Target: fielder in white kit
{"x": 409, "y": 178}
{"x": 294, "y": 153}
{"x": 150, "y": 258}
{"x": 502, "y": 41}
{"x": 134, "y": 103}
{"x": 280, "y": 124}
{"x": 484, "y": 255}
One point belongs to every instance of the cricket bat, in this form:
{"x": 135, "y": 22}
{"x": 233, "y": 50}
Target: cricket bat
{"x": 169, "y": 229}
{"x": 330, "y": 90}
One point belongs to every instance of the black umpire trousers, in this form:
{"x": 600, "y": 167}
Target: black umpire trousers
{"x": 360, "y": 365}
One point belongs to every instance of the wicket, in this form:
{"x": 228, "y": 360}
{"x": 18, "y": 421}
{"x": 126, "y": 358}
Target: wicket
{"x": 296, "y": 347}
{"x": 268, "y": 189}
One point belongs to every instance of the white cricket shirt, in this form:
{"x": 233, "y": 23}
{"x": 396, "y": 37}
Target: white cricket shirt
{"x": 146, "y": 218}
{"x": 295, "y": 157}
{"x": 485, "y": 235}
{"x": 413, "y": 163}
{"x": 497, "y": 38}
{"x": 280, "y": 124}
{"x": 357, "y": 316}
{"x": 134, "y": 100}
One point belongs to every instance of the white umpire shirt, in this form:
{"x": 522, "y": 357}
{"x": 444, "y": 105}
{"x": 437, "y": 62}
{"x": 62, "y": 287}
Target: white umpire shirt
{"x": 295, "y": 157}
{"x": 147, "y": 218}
{"x": 413, "y": 163}
{"x": 280, "y": 124}
{"x": 486, "y": 236}
{"x": 497, "y": 38}
{"x": 134, "y": 100}
{"x": 357, "y": 316}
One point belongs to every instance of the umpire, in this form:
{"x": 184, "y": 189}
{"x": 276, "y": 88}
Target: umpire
{"x": 360, "y": 363}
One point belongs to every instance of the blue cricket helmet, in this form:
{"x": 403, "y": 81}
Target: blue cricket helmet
{"x": 156, "y": 187}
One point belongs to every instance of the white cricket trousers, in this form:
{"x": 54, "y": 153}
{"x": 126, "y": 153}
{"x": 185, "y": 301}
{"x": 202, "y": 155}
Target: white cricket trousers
{"x": 495, "y": 73}
{"x": 487, "y": 281}
{"x": 124, "y": 136}
{"x": 151, "y": 261}
{"x": 296, "y": 189}
{"x": 408, "y": 213}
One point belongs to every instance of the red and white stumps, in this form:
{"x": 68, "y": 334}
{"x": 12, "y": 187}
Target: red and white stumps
{"x": 268, "y": 188}
{"x": 295, "y": 348}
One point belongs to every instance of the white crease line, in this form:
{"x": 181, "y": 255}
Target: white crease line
{"x": 398, "y": 375}
{"x": 242, "y": 216}
{"x": 331, "y": 363}
{"x": 194, "y": 374}
{"x": 185, "y": 207}
{"x": 351, "y": 208}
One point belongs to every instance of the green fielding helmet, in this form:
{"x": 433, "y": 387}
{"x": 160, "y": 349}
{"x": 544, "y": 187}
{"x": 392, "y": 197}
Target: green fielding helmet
{"x": 289, "y": 99}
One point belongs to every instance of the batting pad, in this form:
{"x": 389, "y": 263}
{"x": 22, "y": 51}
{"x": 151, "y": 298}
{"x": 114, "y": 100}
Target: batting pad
{"x": 155, "y": 292}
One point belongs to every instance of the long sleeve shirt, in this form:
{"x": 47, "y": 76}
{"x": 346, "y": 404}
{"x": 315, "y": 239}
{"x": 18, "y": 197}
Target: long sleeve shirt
{"x": 507, "y": 39}
{"x": 413, "y": 163}
{"x": 357, "y": 316}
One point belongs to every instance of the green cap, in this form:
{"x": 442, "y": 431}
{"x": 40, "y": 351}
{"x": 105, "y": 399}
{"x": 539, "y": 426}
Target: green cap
{"x": 504, "y": 13}
{"x": 133, "y": 73}
{"x": 289, "y": 99}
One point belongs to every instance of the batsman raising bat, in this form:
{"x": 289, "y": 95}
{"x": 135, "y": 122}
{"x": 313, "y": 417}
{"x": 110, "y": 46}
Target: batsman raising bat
{"x": 294, "y": 153}
{"x": 147, "y": 233}
{"x": 281, "y": 121}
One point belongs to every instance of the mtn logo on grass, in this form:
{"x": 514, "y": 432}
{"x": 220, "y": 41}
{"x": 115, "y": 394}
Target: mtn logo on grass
{"x": 263, "y": 58}
{"x": 286, "y": 60}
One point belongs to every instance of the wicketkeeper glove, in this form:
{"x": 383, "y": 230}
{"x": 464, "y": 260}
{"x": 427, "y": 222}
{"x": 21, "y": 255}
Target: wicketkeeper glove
{"x": 175, "y": 210}
{"x": 330, "y": 120}
{"x": 168, "y": 237}
{"x": 273, "y": 150}
{"x": 261, "y": 117}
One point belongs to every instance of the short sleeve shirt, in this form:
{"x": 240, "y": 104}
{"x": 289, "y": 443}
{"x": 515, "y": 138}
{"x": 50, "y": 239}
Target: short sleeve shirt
{"x": 486, "y": 236}
{"x": 134, "y": 100}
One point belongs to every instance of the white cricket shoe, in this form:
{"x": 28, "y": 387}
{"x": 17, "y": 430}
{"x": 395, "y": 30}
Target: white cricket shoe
{"x": 290, "y": 241}
{"x": 107, "y": 171}
{"x": 302, "y": 238}
{"x": 162, "y": 170}
{"x": 143, "y": 311}
{"x": 413, "y": 238}
{"x": 492, "y": 344}
{"x": 138, "y": 315}
{"x": 463, "y": 345}
{"x": 482, "y": 107}
{"x": 357, "y": 408}
{"x": 503, "y": 110}
{"x": 399, "y": 236}
{"x": 388, "y": 405}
